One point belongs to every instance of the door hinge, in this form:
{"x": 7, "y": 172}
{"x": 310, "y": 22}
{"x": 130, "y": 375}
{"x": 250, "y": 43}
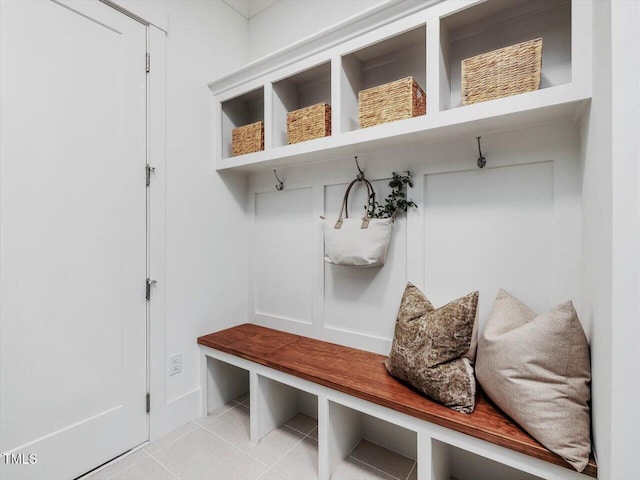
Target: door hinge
{"x": 148, "y": 62}
{"x": 149, "y": 283}
{"x": 149, "y": 169}
{"x": 148, "y": 402}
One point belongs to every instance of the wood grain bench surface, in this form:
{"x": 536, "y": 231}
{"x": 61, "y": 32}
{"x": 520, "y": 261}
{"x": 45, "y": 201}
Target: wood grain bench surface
{"x": 363, "y": 375}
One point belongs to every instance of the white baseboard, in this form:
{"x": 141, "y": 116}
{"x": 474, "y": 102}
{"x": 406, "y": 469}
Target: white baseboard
{"x": 177, "y": 412}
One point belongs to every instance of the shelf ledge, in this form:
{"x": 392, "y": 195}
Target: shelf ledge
{"x": 557, "y": 103}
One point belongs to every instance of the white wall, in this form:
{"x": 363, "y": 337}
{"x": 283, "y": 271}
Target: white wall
{"x": 610, "y": 238}
{"x": 514, "y": 224}
{"x": 596, "y": 235}
{"x": 206, "y": 244}
{"x": 625, "y": 155}
{"x": 288, "y": 21}
{"x": 206, "y": 254}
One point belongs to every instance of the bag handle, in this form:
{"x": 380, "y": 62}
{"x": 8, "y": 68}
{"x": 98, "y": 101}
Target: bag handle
{"x": 371, "y": 198}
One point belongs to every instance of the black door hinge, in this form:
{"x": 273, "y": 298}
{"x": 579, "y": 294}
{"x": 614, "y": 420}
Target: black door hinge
{"x": 148, "y": 402}
{"x": 149, "y": 169}
{"x": 149, "y": 283}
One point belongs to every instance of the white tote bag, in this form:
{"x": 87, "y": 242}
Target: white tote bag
{"x": 358, "y": 242}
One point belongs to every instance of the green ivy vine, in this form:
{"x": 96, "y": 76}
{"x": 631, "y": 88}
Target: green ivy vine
{"x": 396, "y": 200}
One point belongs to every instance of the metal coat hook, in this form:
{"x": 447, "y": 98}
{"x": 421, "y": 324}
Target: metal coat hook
{"x": 279, "y": 185}
{"x": 360, "y": 175}
{"x": 481, "y": 160}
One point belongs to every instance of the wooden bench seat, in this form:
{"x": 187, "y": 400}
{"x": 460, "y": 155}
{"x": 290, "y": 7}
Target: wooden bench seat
{"x": 363, "y": 375}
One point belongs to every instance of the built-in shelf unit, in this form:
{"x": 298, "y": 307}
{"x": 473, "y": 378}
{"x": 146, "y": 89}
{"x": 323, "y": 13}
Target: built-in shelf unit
{"x": 427, "y": 44}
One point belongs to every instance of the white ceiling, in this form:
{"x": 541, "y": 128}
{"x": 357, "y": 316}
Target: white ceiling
{"x": 249, "y": 8}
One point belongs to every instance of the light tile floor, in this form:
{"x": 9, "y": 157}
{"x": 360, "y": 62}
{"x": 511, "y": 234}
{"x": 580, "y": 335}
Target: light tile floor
{"x": 217, "y": 447}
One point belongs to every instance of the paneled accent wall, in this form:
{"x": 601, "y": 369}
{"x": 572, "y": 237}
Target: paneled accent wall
{"x": 514, "y": 224}
{"x": 489, "y": 229}
{"x": 361, "y": 300}
{"x": 282, "y": 243}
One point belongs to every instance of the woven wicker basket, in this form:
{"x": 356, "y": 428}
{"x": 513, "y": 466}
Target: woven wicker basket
{"x": 309, "y": 122}
{"x": 393, "y": 101}
{"x": 248, "y": 138}
{"x": 502, "y": 73}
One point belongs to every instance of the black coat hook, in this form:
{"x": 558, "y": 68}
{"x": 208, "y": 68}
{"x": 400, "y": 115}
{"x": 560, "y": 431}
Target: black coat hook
{"x": 360, "y": 175}
{"x": 481, "y": 160}
{"x": 279, "y": 185}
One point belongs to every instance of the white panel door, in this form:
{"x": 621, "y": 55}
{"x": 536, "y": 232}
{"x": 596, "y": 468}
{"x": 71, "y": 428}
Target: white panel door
{"x": 72, "y": 237}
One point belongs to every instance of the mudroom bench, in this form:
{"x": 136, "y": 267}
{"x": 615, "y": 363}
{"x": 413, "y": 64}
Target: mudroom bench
{"x": 353, "y": 397}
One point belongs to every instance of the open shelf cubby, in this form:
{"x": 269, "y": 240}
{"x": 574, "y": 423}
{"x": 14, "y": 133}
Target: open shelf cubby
{"x": 301, "y": 90}
{"x": 358, "y": 441}
{"x": 278, "y": 403}
{"x": 236, "y": 112}
{"x": 226, "y": 383}
{"x": 281, "y": 406}
{"x": 495, "y": 24}
{"x": 391, "y": 59}
{"x": 453, "y": 463}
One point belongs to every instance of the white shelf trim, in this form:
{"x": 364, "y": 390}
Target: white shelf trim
{"x": 551, "y": 104}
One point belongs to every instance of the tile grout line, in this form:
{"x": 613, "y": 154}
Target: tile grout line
{"x": 172, "y": 441}
{"x": 375, "y": 468}
{"x": 299, "y": 431}
{"x": 116, "y": 461}
{"x": 219, "y": 414}
{"x": 415, "y": 464}
{"x": 269, "y": 467}
{"x": 304, "y": 437}
{"x": 233, "y": 445}
{"x": 287, "y": 452}
{"x": 308, "y": 435}
{"x": 163, "y": 465}
{"x": 130, "y": 466}
{"x": 144, "y": 449}
{"x": 378, "y": 469}
{"x": 204, "y": 427}
{"x": 231, "y": 407}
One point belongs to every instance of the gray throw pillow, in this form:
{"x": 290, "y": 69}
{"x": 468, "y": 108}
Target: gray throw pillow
{"x": 536, "y": 368}
{"x": 433, "y": 349}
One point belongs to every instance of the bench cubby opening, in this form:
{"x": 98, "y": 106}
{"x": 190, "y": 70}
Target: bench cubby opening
{"x": 358, "y": 441}
{"x": 239, "y": 111}
{"x": 386, "y": 61}
{"x": 301, "y": 90}
{"x": 279, "y": 404}
{"x": 225, "y": 383}
{"x": 498, "y": 23}
{"x": 453, "y": 463}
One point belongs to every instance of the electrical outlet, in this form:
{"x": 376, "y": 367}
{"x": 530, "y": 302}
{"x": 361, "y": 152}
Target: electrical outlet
{"x": 175, "y": 364}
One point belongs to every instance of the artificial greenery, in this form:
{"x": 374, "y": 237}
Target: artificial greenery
{"x": 396, "y": 200}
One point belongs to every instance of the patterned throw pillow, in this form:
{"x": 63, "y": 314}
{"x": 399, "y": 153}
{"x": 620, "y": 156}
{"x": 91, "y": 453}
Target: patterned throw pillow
{"x": 433, "y": 349}
{"x": 536, "y": 368}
